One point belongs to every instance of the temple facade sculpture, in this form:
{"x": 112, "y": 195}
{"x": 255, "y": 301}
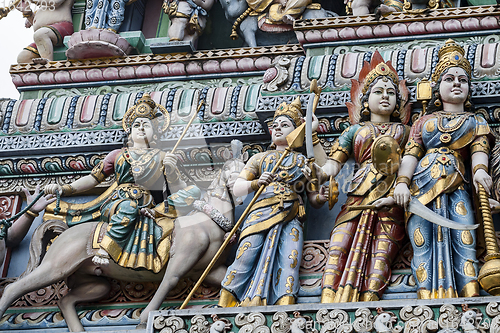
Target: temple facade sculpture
{"x": 51, "y": 22}
{"x": 433, "y": 172}
{"x": 159, "y": 227}
{"x": 266, "y": 267}
{"x": 365, "y": 241}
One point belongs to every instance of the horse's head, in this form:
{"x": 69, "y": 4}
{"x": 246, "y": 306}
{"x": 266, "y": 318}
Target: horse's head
{"x": 222, "y": 186}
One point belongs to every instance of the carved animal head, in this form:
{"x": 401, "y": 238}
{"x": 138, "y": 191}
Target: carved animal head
{"x": 220, "y": 325}
{"x": 223, "y": 184}
{"x": 384, "y": 322}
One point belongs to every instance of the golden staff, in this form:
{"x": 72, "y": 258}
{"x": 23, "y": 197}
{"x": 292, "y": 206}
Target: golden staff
{"x": 169, "y": 171}
{"x": 6, "y": 10}
{"x": 294, "y": 140}
{"x": 489, "y": 275}
{"x": 187, "y": 126}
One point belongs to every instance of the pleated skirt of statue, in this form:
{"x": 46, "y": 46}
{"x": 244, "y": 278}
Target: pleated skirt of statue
{"x": 360, "y": 255}
{"x": 444, "y": 260}
{"x": 266, "y": 267}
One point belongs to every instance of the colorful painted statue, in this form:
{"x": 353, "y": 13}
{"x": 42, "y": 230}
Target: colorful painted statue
{"x": 188, "y": 18}
{"x": 137, "y": 234}
{"x": 51, "y": 23}
{"x": 133, "y": 239}
{"x": 433, "y": 172}
{"x": 105, "y": 14}
{"x": 266, "y": 267}
{"x": 16, "y": 232}
{"x": 364, "y": 242}
{"x": 365, "y": 7}
{"x": 252, "y": 17}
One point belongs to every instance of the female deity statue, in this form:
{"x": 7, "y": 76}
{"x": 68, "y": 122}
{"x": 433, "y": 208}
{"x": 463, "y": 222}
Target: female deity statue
{"x": 433, "y": 172}
{"x": 365, "y": 240}
{"x": 133, "y": 238}
{"x": 266, "y": 267}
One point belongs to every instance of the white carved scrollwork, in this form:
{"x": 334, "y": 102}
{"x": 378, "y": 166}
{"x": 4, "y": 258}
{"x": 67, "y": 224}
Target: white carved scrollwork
{"x": 199, "y": 324}
{"x": 363, "y": 321}
{"x": 254, "y": 322}
{"x": 171, "y": 324}
{"x": 335, "y": 321}
{"x": 281, "y": 323}
{"x": 493, "y": 310}
{"x": 449, "y": 317}
{"x": 418, "y": 319}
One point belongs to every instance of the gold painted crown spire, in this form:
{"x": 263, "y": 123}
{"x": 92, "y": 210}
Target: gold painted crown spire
{"x": 451, "y": 55}
{"x": 146, "y": 108}
{"x": 292, "y": 111}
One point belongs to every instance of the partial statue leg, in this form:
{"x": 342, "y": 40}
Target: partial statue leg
{"x": 45, "y": 40}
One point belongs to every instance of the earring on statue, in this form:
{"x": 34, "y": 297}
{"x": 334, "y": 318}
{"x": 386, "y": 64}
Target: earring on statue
{"x": 468, "y": 104}
{"x": 365, "y": 111}
{"x": 396, "y": 113}
{"x": 437, "y": 103}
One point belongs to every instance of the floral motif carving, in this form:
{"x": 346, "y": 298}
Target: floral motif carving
{"x": 254, "y": 322}
{"x": 171, "y": 324}
{"x": 419, "y": 319}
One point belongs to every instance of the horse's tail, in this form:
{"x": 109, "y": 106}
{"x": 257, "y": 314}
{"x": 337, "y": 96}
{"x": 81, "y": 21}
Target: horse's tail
{"x": 43, "y": 236}
{"x": 234, "y": 34}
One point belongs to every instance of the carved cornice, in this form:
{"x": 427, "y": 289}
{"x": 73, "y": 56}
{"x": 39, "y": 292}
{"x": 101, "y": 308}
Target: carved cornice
{"x": 398, "y": 24}
{"x": 150, "y": 66}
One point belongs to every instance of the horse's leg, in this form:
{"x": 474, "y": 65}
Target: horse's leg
{"x": 83, "y": 288}
{"x": 64, "y": 256}
{"x": 190, "y": 245}
{"x": 216, "y": 275}
{"x": 248, "y": 29}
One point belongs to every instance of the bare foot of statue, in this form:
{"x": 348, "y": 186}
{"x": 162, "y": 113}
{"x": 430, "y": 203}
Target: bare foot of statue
{"x": 40, "y": 61}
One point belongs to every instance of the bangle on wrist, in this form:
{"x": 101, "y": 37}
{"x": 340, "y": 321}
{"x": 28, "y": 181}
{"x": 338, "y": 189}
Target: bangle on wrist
{"x": 479, "y": 166}
{"x": 318, "y": 200}
{"x": 403, "y": 179}
{"x": 32, "y": 214}
{"x": 67, "y": 189}
{"x": 315, "y": 138}
{"x": 255, "y": 185}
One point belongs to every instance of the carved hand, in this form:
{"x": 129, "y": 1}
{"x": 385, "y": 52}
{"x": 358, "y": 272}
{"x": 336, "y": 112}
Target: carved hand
{"x": 266, "y": 178}
{"x": 402, "y": 194}
{"x": 53, "y": 189}
{"x": 43, "y": 202}
{"x": 482, "y": 177}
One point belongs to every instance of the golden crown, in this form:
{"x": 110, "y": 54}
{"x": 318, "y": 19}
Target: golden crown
{"x": 292, "y": 111}
{"x": 146, "y": 108}
{"x": 451, "y": 55}
{"x": 382, "y": 69}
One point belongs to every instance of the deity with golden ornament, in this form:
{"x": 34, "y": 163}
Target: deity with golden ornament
{"x": 365, "y": 241}
{"x": 444, "y": 262}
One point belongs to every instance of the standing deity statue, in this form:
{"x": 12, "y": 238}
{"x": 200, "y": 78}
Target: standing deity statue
{"x": 369, "y": 229}
{"x": 266, "y": 268}
{"x": 433, "y": 171}
{"x": 188, "y": 18}
{"x": 51, "y": 23}
{"x": 134, "y": 237}
{"x": 105, "y": 14}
